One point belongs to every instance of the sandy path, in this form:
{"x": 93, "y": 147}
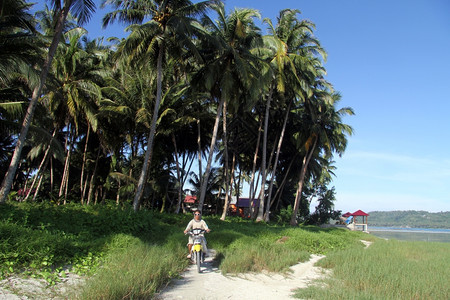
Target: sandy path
{"x": 211, "y": 284}
{"x": 15, "y": 288}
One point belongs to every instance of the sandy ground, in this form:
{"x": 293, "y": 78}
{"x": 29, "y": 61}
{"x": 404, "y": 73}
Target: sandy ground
{"x": 14, "y": 288}
{"x": 211, "y": 284}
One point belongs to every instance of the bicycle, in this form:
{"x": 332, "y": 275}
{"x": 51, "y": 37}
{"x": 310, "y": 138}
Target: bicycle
{"x": 197, "y": 252}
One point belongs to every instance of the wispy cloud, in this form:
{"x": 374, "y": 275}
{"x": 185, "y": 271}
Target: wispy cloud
{"x": 348, "y": 201}
{"x": 388, "y": 181}
{"x": 387, "y": 166}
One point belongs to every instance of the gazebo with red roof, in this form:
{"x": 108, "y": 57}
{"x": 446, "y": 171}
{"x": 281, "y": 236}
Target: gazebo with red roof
{"x": 365, "y": 217}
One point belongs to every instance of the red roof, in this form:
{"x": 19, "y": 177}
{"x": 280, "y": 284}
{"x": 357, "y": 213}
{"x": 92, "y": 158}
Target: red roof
{"x": 359, "y": 213}
{"x": 347, "y": 214}
{"x": 190, "y": 199}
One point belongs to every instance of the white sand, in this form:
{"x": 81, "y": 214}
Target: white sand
{"x": 211, "y": 284}
{"x": 31, "y": 288}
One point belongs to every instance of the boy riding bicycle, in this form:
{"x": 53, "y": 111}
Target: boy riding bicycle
{"x": 196, "y": 223}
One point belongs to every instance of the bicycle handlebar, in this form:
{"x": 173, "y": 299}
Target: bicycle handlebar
{"x": 199, "y": 231}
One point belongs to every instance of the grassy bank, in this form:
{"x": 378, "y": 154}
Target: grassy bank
{"x": 386, "y": 270}
{"x": 130, "y": 255}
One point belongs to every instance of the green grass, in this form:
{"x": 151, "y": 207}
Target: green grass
{"x": 386, "y": 270}
{"x": 131, "y": 255}
{"x": 136, "y": 271}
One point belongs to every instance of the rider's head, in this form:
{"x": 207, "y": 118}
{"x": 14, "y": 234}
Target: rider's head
{"x": 197, "y": 215}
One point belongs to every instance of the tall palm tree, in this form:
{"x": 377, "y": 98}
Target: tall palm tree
{"x": 73, "y": 98}
{"x": 81, "y": 9}
{"x": 326, "y": 134}
{"x": 169, "y": 32}
{"x": 230, "y": 68}
{"x": 291, "y": 51}
{"x": 21, "y": 49}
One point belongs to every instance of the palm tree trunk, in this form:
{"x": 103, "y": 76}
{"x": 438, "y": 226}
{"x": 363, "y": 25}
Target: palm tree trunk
{"x": 84, "y": 186}
{"x": 51, "y": 175}
{"x": 9, "y": 176}
{"x": 66, "y": 143}
{"x": 263, "y": 162}
{"x": 210, "y": 157}
{"x": 40, "y": 181}
{"x": 148, "y": 153}
{"x": 118, "y": 194}
{"x": 94, "y": 174}
{"x": 238, "y": 185}
{"x": 280, "y": 189}
{"x": 65, "y": 178}
{"x": 40, "y": 169}
{"x": 180, "y": 188}
{"x": 228, "y": 195}
{"x": 199, "y": 152}
{"x": 303, "y": 170}
{"x": 225, "y": 154}
{"x": 255, "y": 158}
{"x": 274, "y": 169}
{"x": 83, "y": 163}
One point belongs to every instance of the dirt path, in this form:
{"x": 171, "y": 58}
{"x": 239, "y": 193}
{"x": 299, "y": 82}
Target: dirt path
{"x": 211, "y": 284}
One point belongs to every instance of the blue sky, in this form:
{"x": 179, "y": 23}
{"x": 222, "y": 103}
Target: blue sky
{"x": 390, "y": 60}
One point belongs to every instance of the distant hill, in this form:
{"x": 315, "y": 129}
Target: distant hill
{"x": 410, "y": 218}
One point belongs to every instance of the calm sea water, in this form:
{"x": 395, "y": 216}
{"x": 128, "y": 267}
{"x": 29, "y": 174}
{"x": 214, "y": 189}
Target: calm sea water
{"x": 412, "y": 234}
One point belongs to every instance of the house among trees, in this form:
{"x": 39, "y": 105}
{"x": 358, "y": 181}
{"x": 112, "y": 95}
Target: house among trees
{"x": 241, "y": 207}
{"x": 190, "y": 202}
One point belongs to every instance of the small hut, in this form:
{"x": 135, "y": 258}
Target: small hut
{"x": 189, "y": 202}
{"x": 365, "y": 217}
{"x": 242, "y": 206}
{"x": 345, "y": 218}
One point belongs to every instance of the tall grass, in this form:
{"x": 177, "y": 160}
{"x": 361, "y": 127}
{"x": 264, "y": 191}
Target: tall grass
{"x": 245, "y": 246}
{"x": 130, "y": 255}
{"x": 386, "y": 270}
{"x": 136, "y": 271}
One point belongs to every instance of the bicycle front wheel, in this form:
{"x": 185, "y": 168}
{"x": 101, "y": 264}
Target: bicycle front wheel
{"x": 198, "y": 259}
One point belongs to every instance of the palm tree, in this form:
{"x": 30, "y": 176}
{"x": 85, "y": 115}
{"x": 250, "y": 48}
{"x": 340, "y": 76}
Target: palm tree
{"x": 292, "y": 49}
{"x": 326, "y": 134}
{"x": 169, "y": 32}
{"x": 21, "y": 47}
{"x": 81, "y": 9}
{"x": 230, "y": 68}
{"x": 74, "y": 97}
{"x": 20, "y": 50}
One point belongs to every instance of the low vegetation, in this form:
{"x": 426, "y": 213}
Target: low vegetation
{"x": 388, "y": 269}
{"x": 130, "y": 255}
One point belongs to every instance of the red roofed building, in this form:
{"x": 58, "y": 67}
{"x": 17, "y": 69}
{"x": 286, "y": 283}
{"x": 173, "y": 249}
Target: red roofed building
{"x": 190, "y": 199}
{"x": 360, "y": 213}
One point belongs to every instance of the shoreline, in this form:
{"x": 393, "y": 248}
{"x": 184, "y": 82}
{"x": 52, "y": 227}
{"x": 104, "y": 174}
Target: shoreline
{"x": 409, "y": 229}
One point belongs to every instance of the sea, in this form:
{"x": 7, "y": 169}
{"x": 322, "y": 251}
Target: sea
{"x": 412, "y": 234}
